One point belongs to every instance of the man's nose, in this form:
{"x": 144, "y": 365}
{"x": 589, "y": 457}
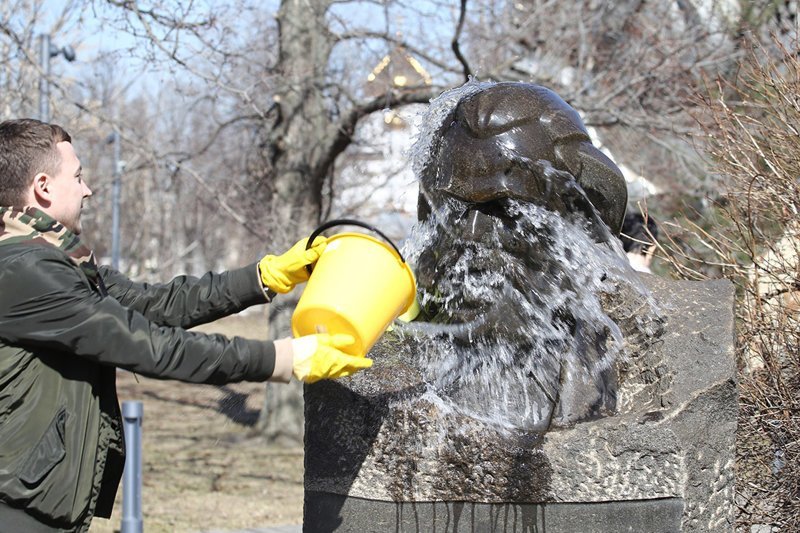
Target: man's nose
{"x": 86, "y": 190}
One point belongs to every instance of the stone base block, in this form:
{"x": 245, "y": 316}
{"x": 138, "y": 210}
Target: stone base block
{"x": 382, "y": 456}
{"x": 333, "y": 512}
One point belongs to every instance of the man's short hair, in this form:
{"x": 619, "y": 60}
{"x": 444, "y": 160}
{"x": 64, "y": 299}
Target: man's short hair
{"x": 638, "y": 235}
{"x": 27, "y": 148}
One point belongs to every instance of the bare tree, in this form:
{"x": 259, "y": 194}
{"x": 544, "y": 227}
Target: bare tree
{"x": 21, "y": 23}
{"x": 751, "y": 237}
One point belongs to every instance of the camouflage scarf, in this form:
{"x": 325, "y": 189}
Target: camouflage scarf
{"x": 32, "y": 226}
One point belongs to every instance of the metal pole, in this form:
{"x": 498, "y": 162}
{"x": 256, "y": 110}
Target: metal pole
{"x": 44, "y": 88}
{"x": 132, "y": 477}
{"x": 115, "y": 198}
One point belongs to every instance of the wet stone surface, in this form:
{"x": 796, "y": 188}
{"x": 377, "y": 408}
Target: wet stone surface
{"x": 384, "y": 437}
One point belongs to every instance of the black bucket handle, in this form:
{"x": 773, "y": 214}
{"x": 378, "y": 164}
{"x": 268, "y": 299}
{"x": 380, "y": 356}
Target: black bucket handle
{"x": 349, "y": 222}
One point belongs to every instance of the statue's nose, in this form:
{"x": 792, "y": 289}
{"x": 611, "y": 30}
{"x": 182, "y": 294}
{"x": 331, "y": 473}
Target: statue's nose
{"x": 486, "y": 190}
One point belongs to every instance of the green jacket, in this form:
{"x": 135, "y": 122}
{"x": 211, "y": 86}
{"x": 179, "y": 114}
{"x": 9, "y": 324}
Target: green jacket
{"x": 61, "y": 340}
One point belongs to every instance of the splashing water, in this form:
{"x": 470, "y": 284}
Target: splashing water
{"x": 517, "y": 335}
{"x": 438, "y": 109}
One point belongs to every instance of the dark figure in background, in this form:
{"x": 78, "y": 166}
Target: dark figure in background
{"x": 67, "y": 325}
{"x": 502, "y": 147}
{"x": 639, "y": 236}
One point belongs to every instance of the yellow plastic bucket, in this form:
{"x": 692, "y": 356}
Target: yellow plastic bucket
{"x": 358, "y": 286}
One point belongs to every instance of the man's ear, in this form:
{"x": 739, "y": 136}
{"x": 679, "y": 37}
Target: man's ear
{"x": 42, "y": 189}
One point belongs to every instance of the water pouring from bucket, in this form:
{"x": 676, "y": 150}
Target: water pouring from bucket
{"x": 359, "y": 285}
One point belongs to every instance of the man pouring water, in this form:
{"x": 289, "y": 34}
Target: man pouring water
{"x": 66, "y": 325}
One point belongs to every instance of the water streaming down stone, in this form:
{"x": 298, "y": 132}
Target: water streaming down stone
{"x": 508, "y": 373}
{"x": 543, "y": 384}
{"x": 518, "y": 283}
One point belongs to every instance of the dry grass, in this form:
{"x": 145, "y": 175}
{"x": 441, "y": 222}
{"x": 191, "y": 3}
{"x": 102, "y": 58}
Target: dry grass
{"x": 203, "y": 467}
{"x": 752, "y": 236}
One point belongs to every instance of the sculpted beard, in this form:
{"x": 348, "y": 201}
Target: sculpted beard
{"x": 495, "y": 273}
{"x": 507, "y": 283}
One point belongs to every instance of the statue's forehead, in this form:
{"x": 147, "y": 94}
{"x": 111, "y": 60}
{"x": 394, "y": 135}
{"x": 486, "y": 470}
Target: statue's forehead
{"x": 499, "y": 108}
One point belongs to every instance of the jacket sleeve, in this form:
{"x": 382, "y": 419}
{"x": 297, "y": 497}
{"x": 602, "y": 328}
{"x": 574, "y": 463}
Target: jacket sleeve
{"x": 52, "y": 307}
{"x": 187, "y": 301}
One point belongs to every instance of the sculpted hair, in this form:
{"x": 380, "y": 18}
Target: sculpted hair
{"x": 27, "y": 148}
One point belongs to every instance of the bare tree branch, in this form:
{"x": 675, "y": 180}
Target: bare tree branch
{"x": 454, "y": 44}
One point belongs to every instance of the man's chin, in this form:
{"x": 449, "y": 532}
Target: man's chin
{"x": 74, "y": 227}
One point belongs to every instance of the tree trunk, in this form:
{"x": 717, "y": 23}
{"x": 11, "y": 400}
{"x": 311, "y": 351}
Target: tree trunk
{"x": 298, "y": 142}
{"x": 299, "y": 152}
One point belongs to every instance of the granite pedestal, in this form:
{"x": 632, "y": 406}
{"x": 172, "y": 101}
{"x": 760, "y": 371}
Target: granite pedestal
{"x": 382, "y": 455}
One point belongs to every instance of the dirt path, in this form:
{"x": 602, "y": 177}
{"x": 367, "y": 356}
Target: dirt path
{"x": 203, "y": 466}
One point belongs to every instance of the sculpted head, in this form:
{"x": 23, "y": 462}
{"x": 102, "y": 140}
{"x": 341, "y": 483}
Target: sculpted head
{"x": 491, "y": 146}
{"x": 515, "y": 197}
{"x": 500, "y": 151}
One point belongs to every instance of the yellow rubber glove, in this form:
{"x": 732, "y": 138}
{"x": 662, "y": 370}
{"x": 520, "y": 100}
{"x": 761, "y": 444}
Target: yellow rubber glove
{"x": 317, "y": 357}
{"x": 282, "y": 272}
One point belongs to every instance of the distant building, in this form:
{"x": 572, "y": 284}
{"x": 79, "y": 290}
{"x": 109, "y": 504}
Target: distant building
{"x": 375, "y": 182}
{"x": 397, "y": 70}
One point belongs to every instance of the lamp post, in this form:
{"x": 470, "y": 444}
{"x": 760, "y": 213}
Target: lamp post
{"x": 132, "y": 412}
{"x": 46, "y": 51}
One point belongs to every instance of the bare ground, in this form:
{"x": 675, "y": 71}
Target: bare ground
{"x": 204, "y": 465}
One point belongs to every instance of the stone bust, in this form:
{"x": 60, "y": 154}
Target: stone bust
{"x": 492, "y": 410}
{"x": 510, "y": 165}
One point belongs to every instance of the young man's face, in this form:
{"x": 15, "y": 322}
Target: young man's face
{"x": 69, "y": 189}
